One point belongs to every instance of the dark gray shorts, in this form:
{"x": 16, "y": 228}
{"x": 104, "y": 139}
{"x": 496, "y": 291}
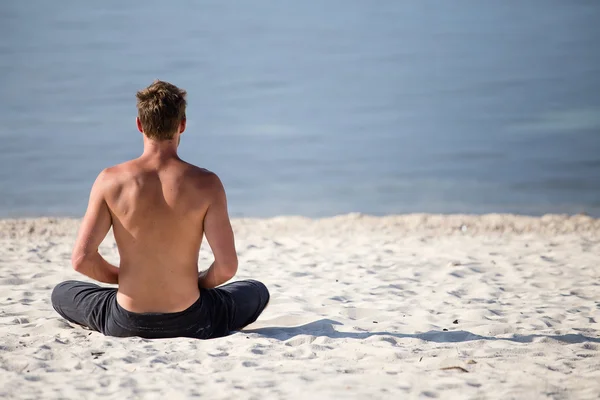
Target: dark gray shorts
{"x": 216, "y": 313}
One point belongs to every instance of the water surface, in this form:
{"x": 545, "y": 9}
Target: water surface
{"x": 312, "y": 108}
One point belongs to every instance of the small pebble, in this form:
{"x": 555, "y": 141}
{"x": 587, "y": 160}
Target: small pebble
{"x": 375, "y": 322}
{"x": 455, "y": 321}
{"x": 445, "y": 330}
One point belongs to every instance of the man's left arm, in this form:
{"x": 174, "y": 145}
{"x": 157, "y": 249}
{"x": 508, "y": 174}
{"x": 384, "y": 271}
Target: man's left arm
{"x": 94, "y": 227}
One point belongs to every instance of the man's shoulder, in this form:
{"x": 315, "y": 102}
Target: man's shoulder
{"x": 110, "y": 173}
{"x": 110, "y": 176}
{"x": 201, "y": 173}
{"x": 199, "y": 170}
{"x": 203, "y": 179}
{"x": 118, "y": 168}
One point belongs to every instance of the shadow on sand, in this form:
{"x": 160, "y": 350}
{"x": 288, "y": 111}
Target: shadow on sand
{"x": 325, "y": 327}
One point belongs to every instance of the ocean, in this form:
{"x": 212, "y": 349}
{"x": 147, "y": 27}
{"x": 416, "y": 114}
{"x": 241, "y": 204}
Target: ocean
{"x": 312, "y": 108}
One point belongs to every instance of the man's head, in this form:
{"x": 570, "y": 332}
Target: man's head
{"x": 161, "y": 111}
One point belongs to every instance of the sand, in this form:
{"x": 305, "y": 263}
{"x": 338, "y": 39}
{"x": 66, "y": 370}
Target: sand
{"x": 414, "y": 306}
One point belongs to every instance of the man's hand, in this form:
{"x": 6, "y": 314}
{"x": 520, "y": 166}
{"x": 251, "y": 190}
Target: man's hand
{"x": 94, "y": 227}
{"x": 219, "y": 234}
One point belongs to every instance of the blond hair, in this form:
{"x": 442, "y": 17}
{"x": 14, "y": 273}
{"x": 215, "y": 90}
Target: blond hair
{"x": 161, "y": 108}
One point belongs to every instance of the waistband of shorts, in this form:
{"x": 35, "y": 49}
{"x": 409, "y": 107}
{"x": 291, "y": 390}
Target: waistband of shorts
{"x": 130, "y": 314}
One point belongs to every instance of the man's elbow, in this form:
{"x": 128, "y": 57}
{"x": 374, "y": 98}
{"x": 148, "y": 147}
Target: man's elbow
{"x": 230, "y": 269}
{"x": 78, "y": 261}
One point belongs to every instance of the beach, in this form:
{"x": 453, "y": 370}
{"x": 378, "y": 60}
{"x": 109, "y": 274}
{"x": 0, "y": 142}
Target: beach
{"x": 407, "y": 306}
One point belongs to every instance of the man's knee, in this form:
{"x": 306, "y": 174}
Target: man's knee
{"x": 263, "y": 292}
{"x": 59, "y": 293}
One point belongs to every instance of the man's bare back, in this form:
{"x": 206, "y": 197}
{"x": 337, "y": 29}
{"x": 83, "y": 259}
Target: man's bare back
{"x": 158, "y": 209}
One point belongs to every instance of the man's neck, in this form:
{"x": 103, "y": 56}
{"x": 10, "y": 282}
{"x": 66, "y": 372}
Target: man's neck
{"x": 160, "y": 149}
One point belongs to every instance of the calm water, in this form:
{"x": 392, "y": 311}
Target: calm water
{"x": 313, "y": 108}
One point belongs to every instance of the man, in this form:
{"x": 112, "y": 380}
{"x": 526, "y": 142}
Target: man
{"x": 159, "y": 207}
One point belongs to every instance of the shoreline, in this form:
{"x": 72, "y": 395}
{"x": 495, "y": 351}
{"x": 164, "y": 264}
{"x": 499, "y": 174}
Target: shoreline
{"x": 442, "y": 224}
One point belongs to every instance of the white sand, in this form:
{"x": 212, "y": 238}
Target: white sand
{"x": 359, "y": 307}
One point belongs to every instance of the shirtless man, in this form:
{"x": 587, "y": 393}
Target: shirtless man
{"x": 159, "y": 207}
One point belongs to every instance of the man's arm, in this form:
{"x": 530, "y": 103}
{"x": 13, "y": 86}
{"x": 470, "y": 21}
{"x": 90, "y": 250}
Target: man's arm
{"x": 219, "y": 234}
{"x": 94, "y": 227}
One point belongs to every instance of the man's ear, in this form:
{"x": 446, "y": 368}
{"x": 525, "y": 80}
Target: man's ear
{"x": 182, "y": 125}
{"x": 139, "y": 124}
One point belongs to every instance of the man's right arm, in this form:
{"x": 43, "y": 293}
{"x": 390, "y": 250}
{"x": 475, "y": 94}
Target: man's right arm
{"x": 219, "y": 234}
{"x": 94, "y": 227}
